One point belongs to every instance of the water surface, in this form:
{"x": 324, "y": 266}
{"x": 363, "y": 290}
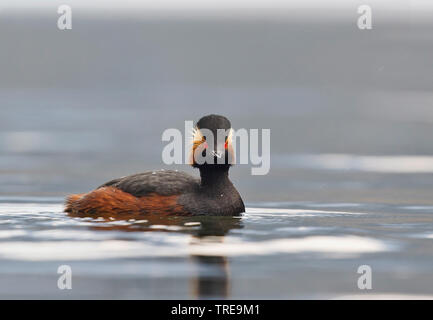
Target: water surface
{"x": 276, "y": 250}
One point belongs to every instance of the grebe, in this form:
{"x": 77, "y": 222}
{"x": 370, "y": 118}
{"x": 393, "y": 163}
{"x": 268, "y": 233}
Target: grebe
{"x": 170, "y": 192}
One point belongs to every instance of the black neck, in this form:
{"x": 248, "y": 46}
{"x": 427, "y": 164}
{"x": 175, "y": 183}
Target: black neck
{"x": 214, "y": 176}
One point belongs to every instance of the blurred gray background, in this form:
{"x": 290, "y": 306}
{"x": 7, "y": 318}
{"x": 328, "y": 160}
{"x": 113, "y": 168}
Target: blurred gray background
{"x": 82, "y": 106}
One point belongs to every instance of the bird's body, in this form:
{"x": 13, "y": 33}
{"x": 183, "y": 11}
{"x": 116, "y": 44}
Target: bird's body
{"x": 165, "y": 192}
{"x": 161, "y": 192}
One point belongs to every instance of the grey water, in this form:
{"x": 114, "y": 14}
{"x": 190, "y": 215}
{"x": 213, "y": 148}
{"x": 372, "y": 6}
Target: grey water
{"x": 312, "y": 250}
{"x": 351, "y": 178}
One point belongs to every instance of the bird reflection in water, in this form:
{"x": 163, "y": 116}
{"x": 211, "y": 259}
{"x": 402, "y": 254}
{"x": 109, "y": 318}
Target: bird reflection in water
{"x": 211, "y": 278}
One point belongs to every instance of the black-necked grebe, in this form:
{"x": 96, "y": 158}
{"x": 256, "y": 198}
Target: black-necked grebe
{"x": 171, "y": 192}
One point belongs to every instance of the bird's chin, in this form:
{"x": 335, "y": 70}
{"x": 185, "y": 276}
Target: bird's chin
{"x": 214, "y": 165}
{"x": 220, "y": 159}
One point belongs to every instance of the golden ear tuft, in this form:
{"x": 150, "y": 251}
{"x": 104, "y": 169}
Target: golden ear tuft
{"x": 196, "y": 135}
{"x": 230, "y": 136}
{"x": 230, "y": 149}
{"x": 196, "y": 140}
